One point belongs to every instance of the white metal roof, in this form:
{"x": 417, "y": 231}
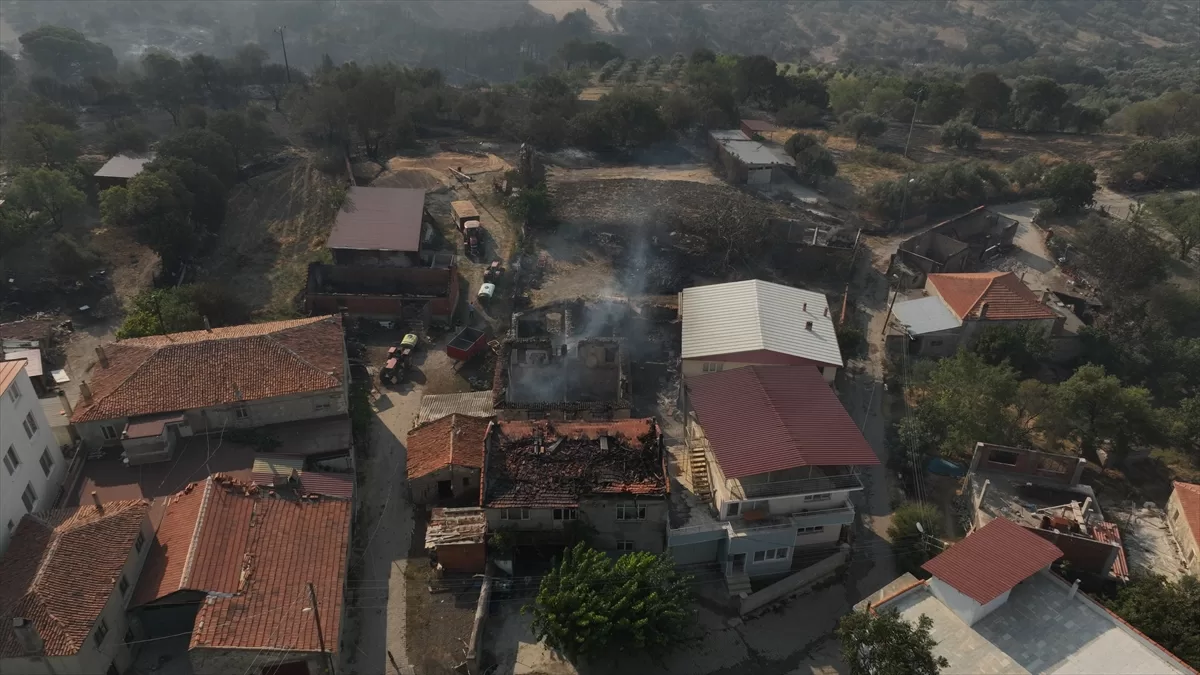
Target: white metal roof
{"x": 925, "y": 315}
{"x": 475, "y": 404}
{"x": 124, "y": 166}
{"x": 751, "y": 315}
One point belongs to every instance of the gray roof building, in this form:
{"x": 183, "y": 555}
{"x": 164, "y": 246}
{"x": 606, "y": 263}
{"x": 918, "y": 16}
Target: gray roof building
{"x": 379, "y": 219}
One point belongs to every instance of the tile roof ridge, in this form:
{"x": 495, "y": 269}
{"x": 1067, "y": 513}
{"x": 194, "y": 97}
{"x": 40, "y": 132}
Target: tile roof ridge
{"x": 218, "y": 333}
{"x": 987, "y": 287}
{"x": 197, "y": 529}
{"x": 301, "y": 359}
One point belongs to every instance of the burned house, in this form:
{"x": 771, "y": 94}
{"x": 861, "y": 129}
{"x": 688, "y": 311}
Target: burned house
{"x": 959, "y": 244}
{"x": 543, "y": 480}
{"x": 562, "y": 378}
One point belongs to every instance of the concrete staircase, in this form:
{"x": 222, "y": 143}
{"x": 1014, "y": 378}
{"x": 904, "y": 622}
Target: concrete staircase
{"x": 738, "y": 583}
{"x": 698, "y": 469}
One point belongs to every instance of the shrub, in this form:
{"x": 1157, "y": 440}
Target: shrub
{"x": 959, "y": 134}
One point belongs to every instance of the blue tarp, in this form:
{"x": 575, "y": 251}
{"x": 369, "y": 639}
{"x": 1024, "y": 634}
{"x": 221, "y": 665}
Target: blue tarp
{"x": 944, "y": 467}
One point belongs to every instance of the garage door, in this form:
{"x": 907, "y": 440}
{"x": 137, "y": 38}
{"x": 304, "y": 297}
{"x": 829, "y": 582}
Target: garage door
{"x": 758, "y": 176}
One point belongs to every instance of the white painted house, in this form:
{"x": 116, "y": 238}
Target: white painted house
{"x": 33, "y": 463}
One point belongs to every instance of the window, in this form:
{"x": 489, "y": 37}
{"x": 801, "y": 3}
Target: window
{"x": 771, "y": 554}
{"x": 30, "y": 424}
{"x": 713, "y": 367}
{"x": 139, "y": 543}
{"x": 11, "y": 461}
{"x": 565, "y": 514}
{"x": 1003, "y": 457}
{"x": 101, "y": 632}
{"x": 109, "y": 431}
{"x": 46, "y": 461}
{"x": 823, "y": 497}
{"x": 14, "y": 392}
{"x": 732, "y": 509}
{"x": 29, "y": 497}
{"x": 610, "y": 354}
{"x": 241, "y": 412}
{"x": 816, "y": 529}
{"x": 123, "y": 585}
{"x": 625, "y": 546}
{"x": 514, "y": 514}
{"x": 631, "y": 512}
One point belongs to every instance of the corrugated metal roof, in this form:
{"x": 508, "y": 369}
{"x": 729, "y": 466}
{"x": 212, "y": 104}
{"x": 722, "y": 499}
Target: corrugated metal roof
{"x": 925, "y": 315}
{"x": 475, "y": 403}
{"x": 330, "y": 484}
{"x": 750, "y": 315}
{"x": 770, "y": 418}
{"x": 124, "y": 166}
{"x": 279, "y": 465}
{"x": 992, "y": 560}
{"x": 379, "y": 219}
{"x": 1109, "y": 534}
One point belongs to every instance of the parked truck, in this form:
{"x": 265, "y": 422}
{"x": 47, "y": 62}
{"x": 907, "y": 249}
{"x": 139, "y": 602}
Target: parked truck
{"x": 466, "y": 219}
{"x": 399, "y": 360}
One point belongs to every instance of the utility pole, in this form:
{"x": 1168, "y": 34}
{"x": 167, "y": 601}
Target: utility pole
{"x": 312, "y": 596}
{"x": 911, "y": 124}
{"x": 889, "y": 313}
{"x": 287, "y": 69}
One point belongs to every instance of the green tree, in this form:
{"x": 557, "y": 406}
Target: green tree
{"x": 1071, "y": 186}
{"x": 46, "y": 195}
{"x": 943, "y": 101}
{"x": 205, "y": 73}
{"x": 1168, "y": 612}
{"x": 1036, "y": 103}
{"x": 1157, "y": 164}
{"x": 590, "y": 606}
{"x": 158, "y": 208}
{"x": 530, "y": 205}
{"x": 1175, "y": 112}
{"x": 205, "y": 147}
{"x": 813, "y": 160}
{"x": 1180, "y": 215}
{"x": 622, "y": 121}
{"x": 959, "y": 134}
{"x": 157, "y": 311}
{"x": 912, "y": 547}
{"x": 163, "y": 84}
{"x": 71, "y": 258}
{"x": 864, "y": 125}
{"x": 798, "y": 114}
{"x": 66, "y": 52}
{"x": 1022, "y": 346}
{"x": 249, "y": 138}
{"x": 1123, "y": 255}
{"x": 986, "y": 94}
{"x": 208, "y": 193}
{"x": 42, "y": 144}
{"x": 886, "y": 644}
{"x": 848, "y": 93}
{"x": 124, "y": 134}
{"x": 1096, "y": 407}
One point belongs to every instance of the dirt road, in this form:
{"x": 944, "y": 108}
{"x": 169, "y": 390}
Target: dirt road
{"x": 696, "y": 173}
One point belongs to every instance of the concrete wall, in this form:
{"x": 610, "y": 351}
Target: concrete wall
{"x": 1177, "y": 522}
{"x": 795, "y": 583}
{"x": 207, "y": 660}
{"x": 159, "y": 448}
{"x": 28, "y": 451}
{"x": 407, "y": 293}
{"x": 463, "y": 558}
{"x": 690, "y": 554}
{"x": 965, "y": 607}
{"x": 464, "y": 482}
{"x": 1042, "y": 465}
{"x": 1083, "y": 553}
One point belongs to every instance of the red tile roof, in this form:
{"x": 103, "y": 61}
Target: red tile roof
{"x": 1189, "y": 503}
{"x": 992, "y": 560}
{"x": 1109, "y": 534}
{"x": 1006, "y": 296}
{"x": 572, "y": 464}
{"x": 253, "y": 553}
{"x": 61, "y": 569}
{"x": 770, "y": 418}
{"x": 452, "y": 440}
{"x": 199, "y": 369}
{"x": 8, "y": 373}
{"x": 379, "y": 219}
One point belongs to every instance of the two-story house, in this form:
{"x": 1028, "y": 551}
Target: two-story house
{"x": 545, "y": 482}
{"x": 65, "y": 583}
{"x": 778, "y": 456}
{"x": 33, "y": 463}
{"x": 145, "y": 394}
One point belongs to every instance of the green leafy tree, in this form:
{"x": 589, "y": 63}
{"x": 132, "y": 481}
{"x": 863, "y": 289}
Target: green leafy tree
{"x": 622, "y": 120}
{"x": 848, "y": 93}
{"x": 205, "y": 73}
{"x": 46, "y": 195}
{"x": 249, "y": 138}
{"x": 1179, "y": 215}
{"x": 208, "y": 193}
{"x": 1096, "y": 407}
{"x": 589, "y": 606}
{"x": 1175, "y": 112}
{"x": 813, "y": 160}
{"x": 1168, "y": 612}
{"x": 125, "y": 134}
{"x": 1026, "y": 171}
{"x": 959, "y": 134}
{"x": 913, "y": 548}
{"x": 42, "y": 144}
{"x": 204, "y": 147}
{"x": 66, "y": 52}
{"x": 864, "y": 125}
{"x": 1184, "y": 422}
{"x": 1036, "y": 103}
{"x": 886, "y": 644}
{"x": 1158, "y": 163}
{"x": 798, "y": 114}
{"x": 986, "y": 94}
{"x": 158, "y": 208}
{"x": 1022, "y": 346}
{"x": 1123, "y": 255}
{"x": 943, "y": 101}
{"x": 158, "y": 311}
{"x": 163, "y": 84}
{"x": 71, "y": 258}
{"x": 1071, "y": 186}
{"x": 530, "y": 205}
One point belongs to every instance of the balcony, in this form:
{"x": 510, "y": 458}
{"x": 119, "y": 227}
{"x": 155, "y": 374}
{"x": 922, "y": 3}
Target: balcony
{"x": 795, "y": 487}
{"x": 842, "y": 514}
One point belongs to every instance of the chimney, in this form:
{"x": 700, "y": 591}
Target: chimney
{"x": 983, "y": 309}
{"x": 85, "y": 393}
{"x": 65, "y": 403}
{"x": 207, "y": 325}
{"x": 27, "y": 636}
{"x": 96, "y": 501}
{"x": 1074, "y": 590}
{"x": 808, "y": 325}
{"x": 102, "y": 357}
{"x": 804, "y": 307}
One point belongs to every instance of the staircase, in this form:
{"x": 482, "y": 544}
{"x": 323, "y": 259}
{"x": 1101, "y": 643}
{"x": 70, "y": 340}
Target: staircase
{"x": 698, "y": 469}
{"x": 737, "y": 583}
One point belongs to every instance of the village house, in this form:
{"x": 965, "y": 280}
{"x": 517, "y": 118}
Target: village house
{"x": 959, "y": 307}
{"x": 745, "y": 160}
{"x": 444, "y": 460}
{"x": 756, "y": 323}
{"x": 456, "y": 539}
{"x": 547, "y": 482}
{"x": 379, "y": 226}
{"x": 958, "y": 244}
{"x": 1183, "y": 519}
{"x": 997, "y": 608}
{"x": 231, "y": 564}
{"x": 778, "y": 457}
{"x": 120, "y": 168}
{"x": 145, "y": 394}
{"x": 34, "y": 466}
{"x": 65, "y": 582}
{"x": 558, "y": 378}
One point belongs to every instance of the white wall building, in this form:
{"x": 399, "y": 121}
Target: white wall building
{"x": 33, "y": 463}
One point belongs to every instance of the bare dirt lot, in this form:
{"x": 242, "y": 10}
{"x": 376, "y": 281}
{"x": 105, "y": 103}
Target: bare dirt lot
{"x": 642, "y": 202}
{"x": 434, "y": 171}
{"x": 696, "y": 173}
